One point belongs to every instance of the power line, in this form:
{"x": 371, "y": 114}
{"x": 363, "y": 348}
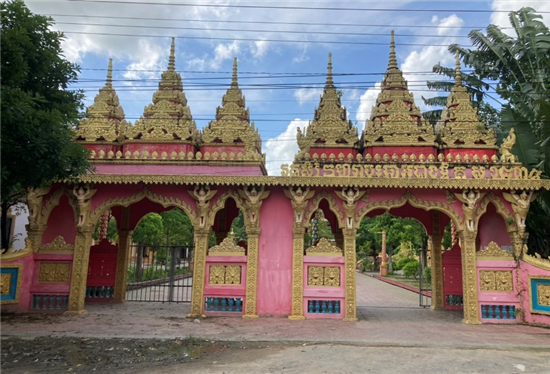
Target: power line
{"x": 260, "y": 31}
{"x": 286, "y": 7}
{"x": 265, "y": 22}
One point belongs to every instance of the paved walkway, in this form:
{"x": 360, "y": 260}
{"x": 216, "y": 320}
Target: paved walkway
{"x": 389, "y": 316}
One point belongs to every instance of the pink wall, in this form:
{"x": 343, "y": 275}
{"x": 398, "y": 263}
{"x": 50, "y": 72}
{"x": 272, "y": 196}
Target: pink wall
{"x": 526, "y": 270}
{"x": 492, "y": 227}
{"x": 61, "y": 223}
{"x": 495, "y": 297}
{"x": 275, "y": 256}
{"x": 26, "y": 274}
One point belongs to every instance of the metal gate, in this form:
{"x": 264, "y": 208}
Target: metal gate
{"x": 159, "y": 274}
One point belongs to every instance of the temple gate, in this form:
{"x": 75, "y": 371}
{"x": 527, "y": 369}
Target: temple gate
{"x": 453, "y": 172}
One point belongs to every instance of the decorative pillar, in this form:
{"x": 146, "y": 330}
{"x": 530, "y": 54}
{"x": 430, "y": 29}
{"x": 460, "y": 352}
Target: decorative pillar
{"x": 251, "y": 273}
{"x": 79, "y": 275}
{"x": 201, "y": 247}
{"x": 124, "y": 240}
{"x": 469, "y": 276}
{"x": 34, "y": 235}
{"x": 437, "y": 263}
{"x": 297, "y": 272}
{"x": 350, "y": 258}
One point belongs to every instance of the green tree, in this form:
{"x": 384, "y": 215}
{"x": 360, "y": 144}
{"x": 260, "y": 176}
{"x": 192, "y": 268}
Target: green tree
{"x": 237, "y": 226}
{"x": 149, "y": 232}
{"x": 178, "y": 229}
{"x": 38, "y": 109}
{"x": 521, "y": 66}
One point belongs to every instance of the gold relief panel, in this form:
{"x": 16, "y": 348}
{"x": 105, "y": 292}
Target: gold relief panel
{"x": 496, "y": 280}
{"x": 50, "y": 272}
{"x": 543, "y": 292}
{"x": 56, "y": 246}
{"x": 225, "y": 275}
{"x": 5, "y": 284}
{"x": 328, "y": 276}
{"x": 324, "y": 248}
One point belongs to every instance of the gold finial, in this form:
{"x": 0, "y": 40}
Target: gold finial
{"x": 458, "y": 74}
{"x": 330, "y": 82}
{"x": 109, "y": 82}
{"x": 172, "y": 59}
{"x": 393, "y": 60}
{"x": 234, "y": 82}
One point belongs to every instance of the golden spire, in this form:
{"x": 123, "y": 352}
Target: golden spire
{"x": 330, "y": 82}
{"x": 109, "y": 82}
{"x": 458, "y": 73}
{"x": 396, "y": 120}
{"x": 461, "y": 125}
{"x": 168, "y": 118}
{"x": 232, "y": 124}
{"x": 172, "y": 58}
{"x": 105, "y": 117}
{"x": 330, "y": 126}
{"x": 392, "y": 64}
{"x": 234, "y": 82}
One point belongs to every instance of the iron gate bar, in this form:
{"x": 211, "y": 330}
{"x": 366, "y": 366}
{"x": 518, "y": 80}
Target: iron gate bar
{"x": 166, "y": 280}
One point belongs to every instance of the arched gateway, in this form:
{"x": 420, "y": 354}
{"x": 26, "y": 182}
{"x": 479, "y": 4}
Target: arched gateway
{"x": 453, "y": 172}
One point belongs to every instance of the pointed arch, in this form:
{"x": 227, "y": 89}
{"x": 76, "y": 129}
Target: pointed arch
{"x": 333, "y": 206}
{"x": 220, "y": 204}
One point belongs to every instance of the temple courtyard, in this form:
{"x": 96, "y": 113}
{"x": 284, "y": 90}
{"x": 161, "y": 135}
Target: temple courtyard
{"x": 393, "y": 334}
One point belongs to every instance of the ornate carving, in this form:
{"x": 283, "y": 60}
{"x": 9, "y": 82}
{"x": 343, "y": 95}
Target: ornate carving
{"x": 251, "y": 274}
{"x": 396, "y": 120}
{"x": 323, "y": 276}
{"x": 506, "y": 147}
{"x": 535, "y": 260}
{"x": 252, "y": 197}
{"x": 469, "y": 277}
{"x": 436, "y": 262}
{"x": 105, "y": 117}
{"x": 350, "y": 196}
{"x": 331, "y": 276}
{"x": 297, "y": 273}
{"x": 5, "y": 284}
{"x": 494, "y": 250}
{"x": 350, "y": 311}
{"x": 324, "y": 248}
{"x": 83, "y": 194}
{"x": 298, "y": 199}
{"x": 51, "y": 272}
{"x": 520, "y": 204}
{"x": 232, "y": 126}
{"x": 201, "y": 246}
{"x": 543, "y": 292}
{"x": 80, "y": 269}
{"x": 315, "y": 276}
{"x": 34, "y": 203}
{"x": 462, "y": 128}
{"x": 169, "y": 118}
{"x": 330, "y": 127}
{"x": 333, "y": 206}
{"x": 225, "y": 274}
{"x": 227, "y": 248}
{"x": 470, "y": 199}
{"x": 57, "y": 245}
{"x": 203, "y": 194}
{"x": 496, "y": 280}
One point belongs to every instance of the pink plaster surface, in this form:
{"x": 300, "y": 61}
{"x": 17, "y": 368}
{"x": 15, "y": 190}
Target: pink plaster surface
{"x": 497, "y": 298}
{"x": 274, "y": 295}
{"x": 26, "y": 274}
{"x": 156, "y": 169}
{"x": 527, "y": 270}
{"x": 323, "y": 293}
{"x": 61, "y": 222}
{"x": 238, "y": 290}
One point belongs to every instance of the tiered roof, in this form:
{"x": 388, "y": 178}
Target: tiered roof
{"x": 105, "y": 121}
{"x": 168, "y": 118}
{"x": 330, "y": 127}
{"x": 396, "y": 120}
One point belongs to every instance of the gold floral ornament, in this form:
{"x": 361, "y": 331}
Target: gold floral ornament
{"x": 461, "y": 125}
{"x": 330, "y": 127}
{"x": 168, "y": 118}
{"x": 57, "y": 245}
{"x": 493, "y": 250}
{"x": 105, "y": 117}
{"x": 232, "y": 125}
{"x": 396, "y": 120}
{"x": 324, "y": 248}
{"x": 520, "y": 204}
{"x": 227, "y": 247}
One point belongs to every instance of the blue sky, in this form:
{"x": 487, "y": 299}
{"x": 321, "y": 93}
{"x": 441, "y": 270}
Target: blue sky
{"x": 282, "y": 48}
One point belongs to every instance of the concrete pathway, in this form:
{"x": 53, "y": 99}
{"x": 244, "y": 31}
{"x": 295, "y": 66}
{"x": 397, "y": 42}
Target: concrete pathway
{"x": 389, "y": 316}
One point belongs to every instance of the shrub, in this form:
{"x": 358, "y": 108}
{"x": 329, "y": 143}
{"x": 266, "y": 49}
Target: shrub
{"x": 411, "y": 269}
{"x": 402, "y": 262}
{"x": 427, "y": 275}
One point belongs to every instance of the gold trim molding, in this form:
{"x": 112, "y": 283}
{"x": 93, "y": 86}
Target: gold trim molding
{"x": 535, "y": 260}
{"x": 324, "y": 248}
{"x": 494, "y": 251}
{"x": 58, "y": 245}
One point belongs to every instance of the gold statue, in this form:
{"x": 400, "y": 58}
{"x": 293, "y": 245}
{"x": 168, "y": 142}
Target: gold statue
{"x": 506, "y": 147}
{"x": 520, "y": 204}
{"x": 203, "y": 194}
{"x": 298, "y": 199}
{"x": 469, "y": 199}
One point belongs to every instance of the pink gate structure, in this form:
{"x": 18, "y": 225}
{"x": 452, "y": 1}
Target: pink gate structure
{"x": 453, "y": 172}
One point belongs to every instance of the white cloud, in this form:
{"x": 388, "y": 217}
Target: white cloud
{"x": 303, "y": 95}
{"x": 501, "y": 18}
{"x": 154, "y": 58}
{"x": 282, "y": 148}
{"x": 366, "y": 102}
{"x": 259, "y": 48}
{"x": 224, "y": 52}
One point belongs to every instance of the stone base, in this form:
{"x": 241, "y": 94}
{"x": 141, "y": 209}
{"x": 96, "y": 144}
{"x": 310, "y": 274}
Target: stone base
{"x": 383, "y": 270}
{"x": 75, "y": 312}
{"x": 470, "y": 322}
{"x": 191, "y": 315}
{"x": 296, "y": 318}
{"x": 251, "y": 316}
{"x": 351, "y": 319}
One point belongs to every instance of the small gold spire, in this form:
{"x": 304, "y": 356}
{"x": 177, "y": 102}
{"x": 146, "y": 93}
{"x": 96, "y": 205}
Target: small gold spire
{"x": 109, "y": 82}
{"x": 393, "y": 60}
{"x": 172, "y": 59}
{"x": 234, "y": 82}
{"x": 458, "y": 73}
{"x": 330, "y": 82}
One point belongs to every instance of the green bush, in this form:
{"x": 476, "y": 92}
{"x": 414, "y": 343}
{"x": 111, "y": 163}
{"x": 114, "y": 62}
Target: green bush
{"x": 411, "y": 269}
{"x": 427, "y": 275}
{"x": 398, "y": 265}
{"x": 366, "y": 266}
